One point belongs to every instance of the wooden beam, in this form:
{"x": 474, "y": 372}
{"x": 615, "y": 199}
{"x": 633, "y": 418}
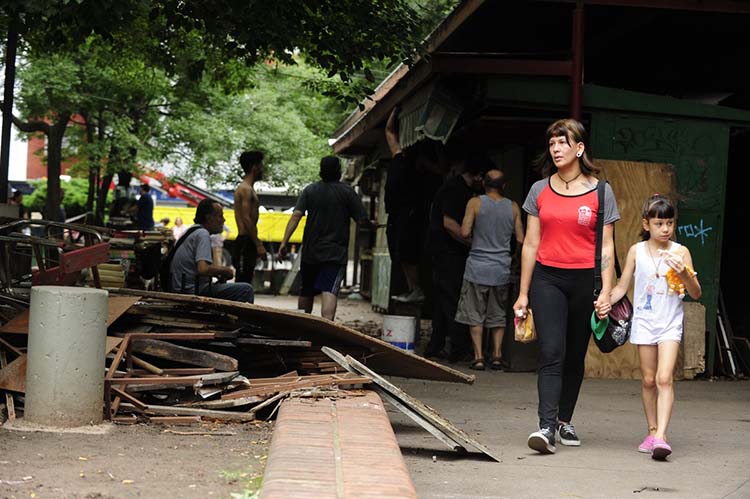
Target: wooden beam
{"x": 447, "y": 62}
{"x": 185, "y": 411}
{"x": 193, "y": 356}
{"x": 718, "y": 6}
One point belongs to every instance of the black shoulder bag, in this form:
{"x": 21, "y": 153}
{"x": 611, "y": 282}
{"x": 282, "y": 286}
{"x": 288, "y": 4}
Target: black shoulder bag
{"x": 165, "y": 276}
{"x": 613, "y": 331}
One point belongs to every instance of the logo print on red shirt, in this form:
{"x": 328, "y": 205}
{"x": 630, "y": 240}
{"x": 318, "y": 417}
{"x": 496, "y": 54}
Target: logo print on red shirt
{"x": 584, "y": 215}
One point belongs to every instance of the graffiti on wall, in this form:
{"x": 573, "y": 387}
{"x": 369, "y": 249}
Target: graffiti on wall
{"x": 695, "y": 231}
{"x": 692, "y": 151}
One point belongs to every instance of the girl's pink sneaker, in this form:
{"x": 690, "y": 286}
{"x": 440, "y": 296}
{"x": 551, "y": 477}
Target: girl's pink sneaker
{"x": 661, "y": 450}
{"x": 647, "y": 445}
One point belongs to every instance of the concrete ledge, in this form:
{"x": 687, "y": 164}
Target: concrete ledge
{"x": 335, "y": 448}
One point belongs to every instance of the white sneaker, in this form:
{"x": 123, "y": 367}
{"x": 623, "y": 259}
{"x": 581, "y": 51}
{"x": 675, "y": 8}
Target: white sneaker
{"x": 416, "y": 296}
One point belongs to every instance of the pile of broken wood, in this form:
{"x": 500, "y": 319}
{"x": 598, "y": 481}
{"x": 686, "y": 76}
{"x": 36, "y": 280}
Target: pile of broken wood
{"x": 179, "y": 359}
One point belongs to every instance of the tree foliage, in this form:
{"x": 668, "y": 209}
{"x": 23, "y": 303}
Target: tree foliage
{"x": 194, "y": 83}
{"x": 281, "y": 115}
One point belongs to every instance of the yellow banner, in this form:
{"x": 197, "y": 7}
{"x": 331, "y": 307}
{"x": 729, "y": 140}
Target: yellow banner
{"x": 271, "y": 225}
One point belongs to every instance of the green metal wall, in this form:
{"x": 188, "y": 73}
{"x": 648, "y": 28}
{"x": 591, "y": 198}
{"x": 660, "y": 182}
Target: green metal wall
{"x": 698, "y": 149}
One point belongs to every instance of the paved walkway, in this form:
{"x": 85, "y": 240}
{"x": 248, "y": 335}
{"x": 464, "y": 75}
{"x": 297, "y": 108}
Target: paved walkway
{"x": 709, "y": 434}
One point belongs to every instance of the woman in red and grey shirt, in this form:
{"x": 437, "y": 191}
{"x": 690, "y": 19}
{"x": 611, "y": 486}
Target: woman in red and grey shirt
{"x": 557, "y": 274}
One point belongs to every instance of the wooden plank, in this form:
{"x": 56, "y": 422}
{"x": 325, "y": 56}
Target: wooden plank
{"x": 82, "y": 258}
{"x": 633, "y": 183}
{"x": 194, "y": 356}
{"x": 426, "y": 425}
{"x": 9, "y": 404}
{"x": 268, "y": 389}
{"x": 146, "y": 365}
{"x": 224, "y": 404}
{"x": 380, "y": 355}
{"x": 13, "y": 375}
{"x": 116, "y": 306}
{"x": 187, "y": 411}
{"x": 126, "y": 396}
{"x": 175, "y": 420}
{"x": 274, "y": 343}
{"x": 691, "y": 358}
{"x": 189, "y": 371}
{"x": 111, "y": 343}
{"x": 426, "y": 412}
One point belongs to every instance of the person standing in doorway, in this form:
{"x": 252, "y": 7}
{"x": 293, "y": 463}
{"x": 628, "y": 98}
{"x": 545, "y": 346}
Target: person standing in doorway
{"x": 557, "y": 274}
{"x": 657, "y": 314}
{"x": 449, "y": 250}
{"x": 248, "y": 247}
{"x": 329, "y": 204}
{"x": 402, "y": 206}
{"x": 491, "y": 220}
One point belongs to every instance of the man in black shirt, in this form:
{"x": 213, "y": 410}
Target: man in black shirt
{"x": 329, "y": 204}
{"x": 449, "y": 251}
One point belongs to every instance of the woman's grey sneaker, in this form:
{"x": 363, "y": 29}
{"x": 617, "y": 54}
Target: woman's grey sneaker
{"x": 568, "y": 435}
{"x": 543, "y": 441}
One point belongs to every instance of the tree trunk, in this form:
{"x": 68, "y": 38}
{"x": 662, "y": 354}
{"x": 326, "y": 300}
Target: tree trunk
{"x": 54, "y": 166}
{"x": 101, "y": 202}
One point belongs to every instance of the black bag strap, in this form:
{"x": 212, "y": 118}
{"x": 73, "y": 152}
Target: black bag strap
{"x": 184, "y": 237}
{"x": 600, "y": 187}
{"x": 599, "y": 230}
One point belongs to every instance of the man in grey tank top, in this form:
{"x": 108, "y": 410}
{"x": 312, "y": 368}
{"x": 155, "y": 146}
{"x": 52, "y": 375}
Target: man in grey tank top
{"x": 491, "y": 221}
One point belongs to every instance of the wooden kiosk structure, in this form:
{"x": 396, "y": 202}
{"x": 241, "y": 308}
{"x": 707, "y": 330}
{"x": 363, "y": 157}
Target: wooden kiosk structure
{"x": 495, "y": 74}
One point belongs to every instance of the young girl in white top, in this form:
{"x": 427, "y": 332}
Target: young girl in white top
{"x": 663, "y": 272}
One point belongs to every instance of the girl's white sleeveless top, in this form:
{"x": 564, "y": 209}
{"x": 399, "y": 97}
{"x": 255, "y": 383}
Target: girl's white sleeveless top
{"x": 656, "y": 312}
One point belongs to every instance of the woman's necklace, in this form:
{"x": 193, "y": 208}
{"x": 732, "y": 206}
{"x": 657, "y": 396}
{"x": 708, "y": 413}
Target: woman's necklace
{"x": 656, "y": 264}
{"x": 569, "y": 181}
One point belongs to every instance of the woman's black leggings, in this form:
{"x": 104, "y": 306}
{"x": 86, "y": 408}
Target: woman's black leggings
{"x": 562, "y": 301}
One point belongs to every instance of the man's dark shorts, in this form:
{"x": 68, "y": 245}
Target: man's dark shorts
{"x": 321, "y": 277}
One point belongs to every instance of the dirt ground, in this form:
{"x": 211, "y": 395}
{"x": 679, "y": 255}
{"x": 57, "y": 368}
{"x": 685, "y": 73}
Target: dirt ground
{"x": 150, "y": 461}
{"x": 224, "y": 461}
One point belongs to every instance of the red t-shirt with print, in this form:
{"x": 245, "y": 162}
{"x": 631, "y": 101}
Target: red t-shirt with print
{"x": 568, "y": 224}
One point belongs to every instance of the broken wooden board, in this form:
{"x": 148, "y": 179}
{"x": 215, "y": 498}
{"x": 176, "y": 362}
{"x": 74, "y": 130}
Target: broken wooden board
{"x": 116, "y": 306}
{"x": 193, "y": 356}
{"x": 9, "y": 403}
{"x": 383, "y": 357}
{"x": 13, "y": 375}
{"x": 186, "y": 411}
{"x": 427, "y": 415}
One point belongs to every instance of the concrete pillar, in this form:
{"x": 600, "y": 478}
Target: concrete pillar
{"x": 66, "y": 351}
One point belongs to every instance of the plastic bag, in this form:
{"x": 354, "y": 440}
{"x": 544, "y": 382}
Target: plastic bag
{"x": 525, "y": 330}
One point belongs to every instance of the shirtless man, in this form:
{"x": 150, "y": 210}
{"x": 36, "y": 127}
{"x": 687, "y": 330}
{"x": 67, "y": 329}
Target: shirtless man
{"x": 248, "y": 248}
